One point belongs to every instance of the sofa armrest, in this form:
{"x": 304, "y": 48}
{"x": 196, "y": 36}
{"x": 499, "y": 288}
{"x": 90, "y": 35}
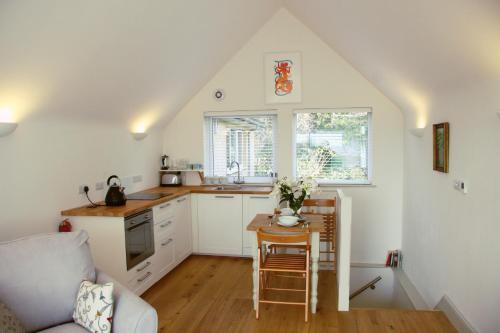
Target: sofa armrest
{"x": 131, "y": 314}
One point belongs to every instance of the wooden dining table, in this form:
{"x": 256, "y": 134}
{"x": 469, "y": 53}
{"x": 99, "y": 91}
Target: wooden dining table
{"x": 315, "y": 225}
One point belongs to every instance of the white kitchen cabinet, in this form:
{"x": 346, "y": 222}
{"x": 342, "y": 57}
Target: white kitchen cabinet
{"x": 220, "y": 224}
{"x": 182, "y": 217}
{"x": 164, "y": 254}
{"x": 254, "y": 204}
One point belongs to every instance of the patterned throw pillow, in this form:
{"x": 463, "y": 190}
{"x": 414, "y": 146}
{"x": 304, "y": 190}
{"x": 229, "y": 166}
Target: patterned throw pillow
{"x": 94, "y": 307}
{"x": 9, "y": 322}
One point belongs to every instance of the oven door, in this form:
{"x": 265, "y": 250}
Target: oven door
{"x": 139, "y": 242}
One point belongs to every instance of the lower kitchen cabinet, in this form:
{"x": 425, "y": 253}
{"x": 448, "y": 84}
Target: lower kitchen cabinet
{"x": 182, "y": 216}
{"x": 172, "y": 242}
{"x": 219, "y": 224}
{"x": 254, "y": 204}
{"x": 164, "y": 257}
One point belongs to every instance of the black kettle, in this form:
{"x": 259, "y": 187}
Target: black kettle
{"x": 116, "y": 195}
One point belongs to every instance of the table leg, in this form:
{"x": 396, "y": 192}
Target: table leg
{"x": 314, "y": 270}
{"x": 255, "y": 266}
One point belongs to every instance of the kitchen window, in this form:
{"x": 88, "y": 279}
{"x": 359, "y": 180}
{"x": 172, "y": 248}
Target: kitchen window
{"x": 249, "y": 140}
{"x": 333, "y": 146}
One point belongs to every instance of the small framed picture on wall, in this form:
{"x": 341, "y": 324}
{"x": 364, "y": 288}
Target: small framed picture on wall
{"x": 283, "y": 77}
{"x": 440, "y": 142}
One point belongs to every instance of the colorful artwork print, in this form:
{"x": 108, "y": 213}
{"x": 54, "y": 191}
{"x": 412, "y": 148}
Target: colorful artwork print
{"x": 283, "y": 85}
{"x": 282, "y": 75}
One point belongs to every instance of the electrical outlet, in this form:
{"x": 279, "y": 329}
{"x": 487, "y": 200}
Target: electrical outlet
{"x": 99, "y": 186}
{"x": 81, "y": 189}
{"x": 137, "y": 179}
{"x": 126, "y": 181}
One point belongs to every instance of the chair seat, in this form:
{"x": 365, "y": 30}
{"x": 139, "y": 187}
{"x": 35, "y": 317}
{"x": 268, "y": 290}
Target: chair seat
{"x": 285, "y": 262}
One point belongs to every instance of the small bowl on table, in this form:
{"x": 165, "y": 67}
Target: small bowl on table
{"x": 288, "y": 221}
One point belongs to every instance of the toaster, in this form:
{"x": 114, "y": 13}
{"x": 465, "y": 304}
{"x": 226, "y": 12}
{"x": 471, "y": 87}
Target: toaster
{"x": 171, "y": 179}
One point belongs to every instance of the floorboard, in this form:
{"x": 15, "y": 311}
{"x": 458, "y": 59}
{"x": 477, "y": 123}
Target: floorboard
{"x": 213, "y": 294}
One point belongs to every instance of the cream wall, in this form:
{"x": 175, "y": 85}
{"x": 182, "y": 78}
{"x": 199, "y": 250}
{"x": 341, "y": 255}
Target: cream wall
{"x": 328, "y": 82}
{"x": 43, "y": 163}
{"x": 451, "y": 240}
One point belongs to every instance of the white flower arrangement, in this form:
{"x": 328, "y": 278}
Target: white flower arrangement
{"x": 294, "y": 192}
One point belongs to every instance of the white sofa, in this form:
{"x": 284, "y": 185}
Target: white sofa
{"x": 39, "y": 280}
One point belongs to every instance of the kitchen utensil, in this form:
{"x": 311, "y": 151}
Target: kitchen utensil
{"x": 116, "y": 194}
{"x": 164, "y": 162}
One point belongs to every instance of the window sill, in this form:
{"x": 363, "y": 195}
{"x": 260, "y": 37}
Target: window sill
{"x": 345, "y": 185}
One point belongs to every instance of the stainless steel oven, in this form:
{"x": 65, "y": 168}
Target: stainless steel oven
{"x": 139, "y": 237}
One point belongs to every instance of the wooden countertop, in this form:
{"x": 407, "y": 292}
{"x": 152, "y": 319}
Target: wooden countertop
{"x": 262, "y": 220}
{"x": 135, "y": 206}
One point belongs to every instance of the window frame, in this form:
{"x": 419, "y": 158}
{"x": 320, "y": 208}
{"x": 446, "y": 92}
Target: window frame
{"x": 333, "y": 182}
{"x": 208, "y": 140}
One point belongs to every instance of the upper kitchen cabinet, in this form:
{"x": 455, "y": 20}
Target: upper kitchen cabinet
{"x": 254, "y": 204}
{"x": 220, "y": 224}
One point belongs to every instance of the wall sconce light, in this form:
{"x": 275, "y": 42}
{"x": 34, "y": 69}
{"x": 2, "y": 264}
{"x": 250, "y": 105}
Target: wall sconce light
{"x": 418, "y": 132}
{"x": 138, "y": 136}
{"x": 7, "y": 128}
{"x": 498, "y": 114}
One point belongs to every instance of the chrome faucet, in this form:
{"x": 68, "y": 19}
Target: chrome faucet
{"x": 238, "y": 180}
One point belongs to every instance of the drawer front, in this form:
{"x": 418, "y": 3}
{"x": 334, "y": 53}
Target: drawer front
{"x": 163, "y": 211}
{"x": 143, "y": 279}
{"x": 139, "y": 270}
{"x": 165, "y": 254}
{"x": 163, "y": 227}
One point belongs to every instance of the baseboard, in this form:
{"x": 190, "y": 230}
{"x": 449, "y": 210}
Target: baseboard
{"x": 411, "y": 291}
{"x": 454, "y": 315}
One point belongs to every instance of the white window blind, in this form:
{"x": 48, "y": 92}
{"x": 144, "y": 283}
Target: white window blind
{"x": 248, "y": 139}
{"x": 333, "y": 146}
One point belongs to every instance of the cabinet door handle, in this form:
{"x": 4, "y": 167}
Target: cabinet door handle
{"x": 164, "y": 206}
{"x": 148, "y": 263}
{"x": 148, "y": 274}
{"x": 166, "y": 224}
{"x": 181, "y": 200}
{"x": 224, "y": 196}
{"x": 167, "y": 242}
{"x": 259, "y": 197}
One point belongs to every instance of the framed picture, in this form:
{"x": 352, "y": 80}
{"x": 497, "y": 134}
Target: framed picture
{"x": 440, "y": 141}
{"x": 282, "y": 75}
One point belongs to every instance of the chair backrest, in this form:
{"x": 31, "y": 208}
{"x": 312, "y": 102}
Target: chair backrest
{"x": 272, "y": 236}
{"x": 319, "y": 206}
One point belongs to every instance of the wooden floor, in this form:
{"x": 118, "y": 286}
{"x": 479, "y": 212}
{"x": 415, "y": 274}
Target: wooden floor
{"x": 213, "y": 294}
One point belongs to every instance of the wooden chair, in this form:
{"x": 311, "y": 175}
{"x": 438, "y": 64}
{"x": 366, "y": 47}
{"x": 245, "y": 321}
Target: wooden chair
{"x": 296, "y": 264}
{"x": 325, "y": 207}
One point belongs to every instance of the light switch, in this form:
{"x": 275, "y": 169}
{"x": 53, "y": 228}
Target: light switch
{"x": 461, "y": 186}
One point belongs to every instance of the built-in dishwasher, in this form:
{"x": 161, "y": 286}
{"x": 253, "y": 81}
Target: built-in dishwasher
{"x": 139, "y": 237}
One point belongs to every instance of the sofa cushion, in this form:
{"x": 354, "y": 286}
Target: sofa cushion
{"x": 65, "y": 328}
{"x": 41, "y": 275}
{"x": 9, "y": 322}
{"x": 94, "y": 307}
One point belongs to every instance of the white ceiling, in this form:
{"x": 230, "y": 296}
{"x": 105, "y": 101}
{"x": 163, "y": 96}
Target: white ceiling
{"x": 118, "y": 60}
{"x": 128, "y": 61}
{"x": 413, "y": 51}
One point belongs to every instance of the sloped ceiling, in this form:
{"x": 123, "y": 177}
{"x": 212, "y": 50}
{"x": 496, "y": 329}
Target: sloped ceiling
{"x": 139, "y": 62}
{"x": 121, "y": 61}
{"x": 413, "y": 51}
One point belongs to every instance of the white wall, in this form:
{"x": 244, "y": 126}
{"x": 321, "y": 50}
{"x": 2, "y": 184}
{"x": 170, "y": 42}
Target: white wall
{"x": 44, "y": 161}
{"x": 451, "y": 240}
{"x": 328, "y": 81}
